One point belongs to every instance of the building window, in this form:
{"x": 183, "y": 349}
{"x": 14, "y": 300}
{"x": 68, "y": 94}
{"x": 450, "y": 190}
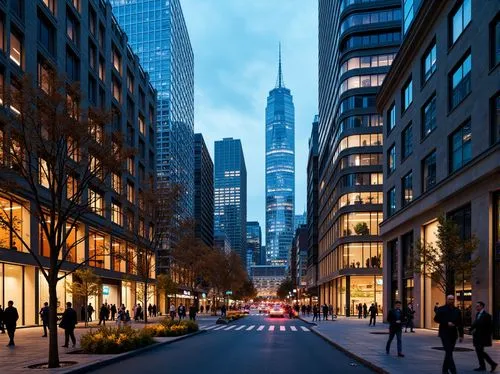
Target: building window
{"x": 92, "y": 56}
{"x": 116, "y": 214}
{"x": 407, "y": 141}
{"x": 46, "y": 34}
{"x": 44, "y": 77}
{"x": 391, "y": 159}
{"x": 130, "y": 193}
{"x": 460, "y": 82}
{"x": 391, "y": 201}
{"x": 407, "y": 95}
{"x": 460, "y": 147}
{"x": 51, "y": 4}
{"x": 367, "y": 62}
{"x": 72, "y": 66}
{"x": 408, "y": 9}
{"x": 391, "y": 117}
{"x": 407, "y": 189}
{"x": 495, "y": 41}
{"x": 429, "y": 117}
{"x": 429, "y": 172}
{"x": 360, "y": 81}
{"x": 102, "y": 70}
{"x": 72, "y": 28}
{"x": 459, "y": 19}
{"x": 92, "y": 21}
{"x": 495, "y": 119}
{"x": 76, "y": 4}
{"x": 117, "y": 90}
{"x": 17, "y": 8}
{"x": 131, "y": 165}
{"x": 130, "y": 82}
{"x": 429, "y": 62}
{"x": 116, "y": 183}
{"x": 44, "y": 173}
{"x": 16, "y": 48}
{"x": 96, "y": 202}
{"x": 359, "y": 19}
{"x": 142, "y": 125}
{"x": 117, "y": 61}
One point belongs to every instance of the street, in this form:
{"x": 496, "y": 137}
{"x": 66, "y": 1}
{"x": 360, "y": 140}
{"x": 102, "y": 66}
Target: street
{"x": 255, "y": 344}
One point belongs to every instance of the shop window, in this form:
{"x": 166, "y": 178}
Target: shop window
{"x": 15, "y": 220}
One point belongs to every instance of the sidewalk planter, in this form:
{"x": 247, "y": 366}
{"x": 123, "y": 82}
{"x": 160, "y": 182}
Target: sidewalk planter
{"x": 169, "y": 328}
{"x": 230, "y": 316}
{"x": 113, "y": 340}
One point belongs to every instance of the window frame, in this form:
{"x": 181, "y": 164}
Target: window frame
{"x": 405, "y": 105}
{"x": 459, "y": 86}
{"x": 407, "y": 129}
{"x": 428, "y": 52}
{"x": 424, "y": 186}
{"x": 452, "y": 151}
{"x": 404, "y": 201}
{"x": 459, "y": 7}
{"x": 423, "y": 135}
{"x": 494, "y": 41}
{"x": 391, "y": 152}
{"x": 391, "y": 118}
{"x": 391, "y": 201}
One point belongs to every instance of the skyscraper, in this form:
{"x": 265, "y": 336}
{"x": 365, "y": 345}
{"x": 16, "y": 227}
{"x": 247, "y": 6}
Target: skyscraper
{"x": 231, "y": 194}
{"x": 280, "y": 171}
{"x": 158, "y": 34}
{"x": 299, "y": 219}
{"x": 357, "y": 44}
{"x": 203, "y": 191}
{"x": 254, "y": 241}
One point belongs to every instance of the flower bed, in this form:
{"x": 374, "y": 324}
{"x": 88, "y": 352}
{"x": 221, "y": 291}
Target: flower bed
{"x": 112, "y": 340}
{"x": 168, "y": 328}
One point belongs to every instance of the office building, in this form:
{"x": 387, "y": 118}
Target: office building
{"x": 82, "y": 39}
{"x": 203, "y": 191}
{"x": 441, "y": 107}
{"x": 357, "y": 43}
{"x": 267, "y": 279}
{"x": 280, "y": 171}
{"x": 231, "y": 194}
{"x": 254, "y": 241}
{"x": 299, "y": 220}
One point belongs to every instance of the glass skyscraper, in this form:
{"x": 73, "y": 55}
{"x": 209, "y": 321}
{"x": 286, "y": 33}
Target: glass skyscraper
{"x": 231, "y": 194}
{"x": 280, "y": 172}
{"x": 158, "y": 34}
{"x": 254, "y": 241}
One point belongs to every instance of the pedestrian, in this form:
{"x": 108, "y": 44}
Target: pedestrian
{"x": 325, "y": 312}
{"x": 172, "y": 311}
{"x": 10, "y": 317}
{"x": 1, "y": 321}
{"x": 365, "y": 310}
{"x": 44, "y": 316}
{"x": 83, "y": 311}
{"x": 308, "y": 310}
{"x": 315, "y": 312}
{"x": 373, "y": 314}
{"x": 223, "y": 310}
{"x": 450, "y": 328}
{"x": 410, "y": 315}
{"x": 482, "y": 329}
{"x": 201, "y": 309}
{"x": 102, "y": 314}
{"x": 360, "y": 310}
{"x": 120, "y": 317}
{"x": 181, "y": 310}
{"x": 68, "y": 323}
{"x": 192, "y": 312}
{"x": 137, "y": 312}
{"x": 303, "y": 310}
{"x": 90, "y": 310}
{"x": 150, "y": 310}
{"x": 395, "y": 319}
{"x": 155, "y": 310}
{"x": 113, "y": 312}
{"x": 330, "y": 310}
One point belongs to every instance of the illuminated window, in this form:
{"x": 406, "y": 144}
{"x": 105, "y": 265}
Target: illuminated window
{"x": 116, "y": 214}
{"x": 73, "y": 150}
{"x": 407, "y": 188}
{"x": 51, "y": 4}
{"x": 44, "y": 78}
{"x": 96, "y": 202}
{"x": 117, "y": 90}
{"x": 96, "y": 250}
{"x": 71, "y": 188}
{"x": 102, "y": 70}
{"x": 130, "y": 82}
{"x": 16, "y": 48}
{"x": 116, "y": 183}
{"x": 130, "y": 193}
{"x": 76, "y": 4}
{"x": 43, "y": 173}
{"x": 142, "y": 125}
{"x": 131, "y": 165}
{"x": 117, "y": 61}
{"x": 96, "y": 131}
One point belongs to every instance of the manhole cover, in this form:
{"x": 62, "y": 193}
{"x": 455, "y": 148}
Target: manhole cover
{"x": 379, "y": 333}
{"x": 457, "y": 349}
{"x": 45, "y": 365}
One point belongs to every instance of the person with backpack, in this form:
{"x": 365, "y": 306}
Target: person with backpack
{"x": 44, "y": 316}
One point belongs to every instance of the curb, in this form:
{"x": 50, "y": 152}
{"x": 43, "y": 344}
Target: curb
{"x": 126, "y": 355}
{"x": 366, "y": 363}
{"x": 306, "y": 321}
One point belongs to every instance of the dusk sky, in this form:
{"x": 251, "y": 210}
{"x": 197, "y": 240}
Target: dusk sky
{"x": 235, "y": 44}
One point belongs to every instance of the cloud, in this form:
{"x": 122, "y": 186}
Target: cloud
{"x": 235, "y": 44}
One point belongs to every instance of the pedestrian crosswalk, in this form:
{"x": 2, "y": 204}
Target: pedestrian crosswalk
{"x": 245, "y": 328}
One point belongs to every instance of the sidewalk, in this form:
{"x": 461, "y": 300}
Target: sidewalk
{"x": 31, "y": 348}
{"x": 368, "y": 344}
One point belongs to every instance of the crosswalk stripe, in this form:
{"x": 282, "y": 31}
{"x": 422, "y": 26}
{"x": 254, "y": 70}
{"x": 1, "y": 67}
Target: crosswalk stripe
{"x": 261, "y": 328}
{"x": 271, "y": 328}
{"x": 282, "y": 328}
{"x": 202, "y": 327}
{"x": 250, "y": 328}
{"x": 239, "y": 328}
{"x": 210, "y": 327}
{"x": 293, "y": 328}
{"x": 219, "y": 328}
{"x": 229, "y": 328}
{"x": 304, "y": 328}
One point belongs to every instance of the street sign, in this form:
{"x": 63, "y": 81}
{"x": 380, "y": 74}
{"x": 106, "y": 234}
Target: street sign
{"x": 229, "y": 292}
{"x": 105, "y": 290}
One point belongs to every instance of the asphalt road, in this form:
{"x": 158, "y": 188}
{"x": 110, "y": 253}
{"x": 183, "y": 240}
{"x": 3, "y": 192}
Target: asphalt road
{"x": 271, "y": 346}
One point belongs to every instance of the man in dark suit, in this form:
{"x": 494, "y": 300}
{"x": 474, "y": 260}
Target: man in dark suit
{"x": 451, "y": 327}
{"x": 481, "y": 337}
{"x": 10, "y": 317}
{"x": 395, "y": 319}
{"x": 68, "y": 323}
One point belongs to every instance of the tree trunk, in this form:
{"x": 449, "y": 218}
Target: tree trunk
{"x": 53, "y": 345}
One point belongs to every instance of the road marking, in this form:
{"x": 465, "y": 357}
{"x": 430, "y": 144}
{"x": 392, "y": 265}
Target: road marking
{"x": 220, "y": 328}
{"x": 282, "y": 328}
{"x": 271, "y": 328}
{"x": 239, "y": 328}
{"x": 261, "y": 328}
{"x": 250, "y": 328}
{"x": 304, "y": 328}
{"x": 229, "y": 328}
{"x": 210, "y": 327}
{"x": 293, "y": 328}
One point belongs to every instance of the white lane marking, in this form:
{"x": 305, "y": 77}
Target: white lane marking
{"x": 250, "y": 328}
{"x": 293, "y": 328}
{"x": 202, "y": 327}
{"x": 282, "y": 328}
{"x": 229, "y": 328}
{"x": 271, "y": 328}
{"x": 220, "y": 328}
{"x": 210, "y": 327}
{"x": 304, "y": 328}
{"x": 261, "y": 328}
{"x": 240, "y": 328}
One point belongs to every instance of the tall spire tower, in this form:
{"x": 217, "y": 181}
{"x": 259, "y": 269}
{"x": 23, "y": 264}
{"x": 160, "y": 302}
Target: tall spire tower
{"x": 280, "y": 171}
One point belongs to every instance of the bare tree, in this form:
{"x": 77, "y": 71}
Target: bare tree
{"x": 56, "y": 160}
{"x": 450, "y": 257}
